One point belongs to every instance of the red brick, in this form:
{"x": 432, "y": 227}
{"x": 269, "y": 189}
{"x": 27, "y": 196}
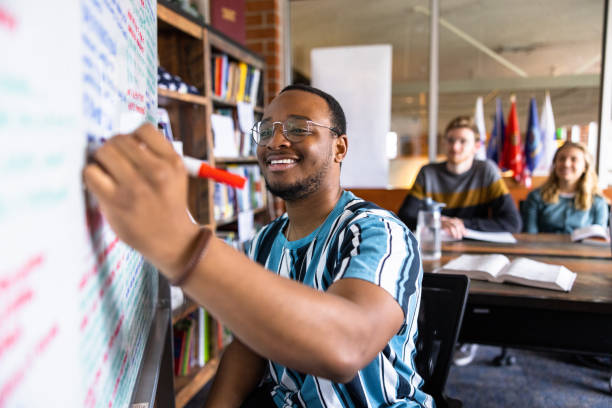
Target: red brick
{"x": 257, "y": 47}
{"x": 273, "y": 18}
{"x": 273, "y": 47}
{"x": 260, "y": 5}
{"x": 254, "y": 19}
{"x": 272, "y": 60}
{"x": 273, "y": 72}
{"x": 257, "y": 33}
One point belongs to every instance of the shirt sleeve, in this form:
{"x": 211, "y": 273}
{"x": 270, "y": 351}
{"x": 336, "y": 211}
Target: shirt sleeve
{"x": 530, "y": 212}
{"x": 384, "y": 252}
{"x": 412, "y": 203}
{"x": 601, "y": 211}
{"x": 503, "y": 213}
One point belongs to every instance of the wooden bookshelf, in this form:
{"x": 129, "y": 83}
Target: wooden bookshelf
{"x": 186, "y": 387}
{"x": 236, "y": 160}
{"x": 166, "y": 96}
{"x": 185, "y": 46}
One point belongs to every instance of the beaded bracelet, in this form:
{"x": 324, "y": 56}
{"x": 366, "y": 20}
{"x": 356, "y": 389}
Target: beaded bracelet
{"x": 201, "y": 245}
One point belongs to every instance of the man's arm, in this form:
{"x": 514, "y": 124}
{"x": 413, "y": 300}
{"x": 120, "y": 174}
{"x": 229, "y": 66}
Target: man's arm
{"x": 505, "y": 217}
{"x": 530, "y": 210}
{"x": 141, "y": 187}
{"x": 240, "y": 370}
{"x": 409, "y": 210}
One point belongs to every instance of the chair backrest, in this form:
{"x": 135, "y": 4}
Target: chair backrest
{"x": 443, "y": 302}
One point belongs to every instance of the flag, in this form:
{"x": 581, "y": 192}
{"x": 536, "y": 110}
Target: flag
{"x": 533, "y": 139}
{"x": 512, "y": 156}
{"x": 547, "y": 131}
{"x": 481, "y": 154}
{"x": 496, "y": 141}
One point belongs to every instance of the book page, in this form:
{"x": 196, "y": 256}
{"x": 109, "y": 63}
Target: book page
{"x": 539, "y": 274}
{"x": 590, "y": 231}
{"x": 501, "y": 237}
{"x": 485, "y": 267}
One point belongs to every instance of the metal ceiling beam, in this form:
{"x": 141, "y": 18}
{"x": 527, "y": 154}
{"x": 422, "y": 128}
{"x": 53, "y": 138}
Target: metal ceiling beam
{"x": 475, "y": 43}
{"x": 500, "y": 84}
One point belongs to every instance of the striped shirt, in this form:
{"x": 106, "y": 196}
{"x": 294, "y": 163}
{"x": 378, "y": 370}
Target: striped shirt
{"x": 357, "y": 240}
{"x": 478, "y": 196}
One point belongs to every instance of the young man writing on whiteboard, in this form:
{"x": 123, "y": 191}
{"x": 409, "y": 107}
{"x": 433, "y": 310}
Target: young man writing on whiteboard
{"x": 327, "y": 315}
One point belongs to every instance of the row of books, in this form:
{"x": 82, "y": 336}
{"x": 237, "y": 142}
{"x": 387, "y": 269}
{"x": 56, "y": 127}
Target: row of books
{"x": 231, "y": 132}
{"x": 229, "y": 201}
{"x": 197, "y": 337}
{"x": 234, "y": 81}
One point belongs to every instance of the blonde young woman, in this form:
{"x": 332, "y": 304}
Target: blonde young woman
{"x": 570, "y": 197}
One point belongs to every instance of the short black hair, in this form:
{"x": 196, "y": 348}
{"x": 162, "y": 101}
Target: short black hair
{"x": 338, "y": 120}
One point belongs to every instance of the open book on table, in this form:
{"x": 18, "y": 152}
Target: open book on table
{"x": 523, "y": 271}
{"x": 591, "y": 232}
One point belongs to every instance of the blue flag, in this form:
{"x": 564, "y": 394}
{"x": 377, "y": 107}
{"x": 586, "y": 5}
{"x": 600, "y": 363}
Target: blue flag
{"x": 533, "y": 140}
{"x": 496, "y": 141}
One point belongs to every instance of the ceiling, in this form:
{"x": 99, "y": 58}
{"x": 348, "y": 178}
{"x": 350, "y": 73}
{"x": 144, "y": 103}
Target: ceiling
{"x": 488, "y": 48}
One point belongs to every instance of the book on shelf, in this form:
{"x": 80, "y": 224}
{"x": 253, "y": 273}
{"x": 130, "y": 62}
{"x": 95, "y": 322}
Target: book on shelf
{"x": 192, "y": 342}
{"x": 228, "y": 16}
{"x": 224, "y": 136}
{"x": 589, "y": 233}
{"x": 228, "y": 201}
{"x": 234, "y": 81}
{"x": 522, "y": 271}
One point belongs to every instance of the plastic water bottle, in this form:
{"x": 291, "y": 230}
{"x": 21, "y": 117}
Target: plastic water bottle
{"x": 429, "y": 230}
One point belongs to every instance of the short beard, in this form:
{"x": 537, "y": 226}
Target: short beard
{"x": 300, "y": 189}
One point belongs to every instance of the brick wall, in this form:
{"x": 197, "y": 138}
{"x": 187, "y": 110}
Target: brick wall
{"x": 264, "y": 35}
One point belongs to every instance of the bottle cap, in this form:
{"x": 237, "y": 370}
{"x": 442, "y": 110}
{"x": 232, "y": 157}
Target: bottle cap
{"x": 431, "y": 205}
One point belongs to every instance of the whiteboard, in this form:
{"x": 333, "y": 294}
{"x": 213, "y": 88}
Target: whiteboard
{"x": 359, "y": 77}
{"x": 75, "y": 302}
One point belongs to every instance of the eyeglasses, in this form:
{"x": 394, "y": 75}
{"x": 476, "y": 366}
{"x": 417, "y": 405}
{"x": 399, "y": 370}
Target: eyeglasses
{"x": 294, "y": 130}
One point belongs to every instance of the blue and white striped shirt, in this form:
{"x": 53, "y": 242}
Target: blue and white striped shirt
{"x": 357, "y": 240}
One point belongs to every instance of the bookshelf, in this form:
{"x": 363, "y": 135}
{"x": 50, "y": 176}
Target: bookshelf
{"x": 188, "y": 48}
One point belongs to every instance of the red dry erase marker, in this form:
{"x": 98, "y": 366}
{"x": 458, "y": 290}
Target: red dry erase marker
{"x": 130, "y": 121}
{"x": 199, "y": 168}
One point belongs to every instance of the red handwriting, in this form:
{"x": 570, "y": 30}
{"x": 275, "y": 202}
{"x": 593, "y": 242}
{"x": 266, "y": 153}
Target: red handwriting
{"x": 21, "y": 300}
{"x": 7, "y": 19}
{"x": 8, "y": 341}
{"x": 16, "y": 378}
{"x": 133, "y": 107}
{"x": 134, "y": 94}
{"x": 21, "y": 273}
{"x": 107, "y": 250}
{"x": 90, "y": 398}
{"x": 110, "y": 403}
{"x": 112, "y": 339}
{"x": 85, "y": 278}
{"x": 135, "y": 32}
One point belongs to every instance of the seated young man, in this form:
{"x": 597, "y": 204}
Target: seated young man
{"x": 473, "y": 191}
{"x": 324, "y": 308}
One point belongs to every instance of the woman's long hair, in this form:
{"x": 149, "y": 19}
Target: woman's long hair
{"x": 586, "y": 186}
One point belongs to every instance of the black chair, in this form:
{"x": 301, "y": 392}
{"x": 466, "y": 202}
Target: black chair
{"x": 443, "y": 302}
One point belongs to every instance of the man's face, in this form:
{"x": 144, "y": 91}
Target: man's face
{"x": 460, "y": 145}
{"x": 294, "y": 170}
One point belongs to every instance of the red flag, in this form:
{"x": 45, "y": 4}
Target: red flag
{"x": 512, "y": 155}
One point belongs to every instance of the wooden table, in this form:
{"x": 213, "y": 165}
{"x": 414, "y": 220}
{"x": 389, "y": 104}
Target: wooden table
{"x": 525, "y": 317}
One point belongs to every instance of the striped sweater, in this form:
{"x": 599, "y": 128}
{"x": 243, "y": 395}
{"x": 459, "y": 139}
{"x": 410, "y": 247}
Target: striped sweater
{"x": 357, "y": 240}
{"x": 478, "y": 196}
